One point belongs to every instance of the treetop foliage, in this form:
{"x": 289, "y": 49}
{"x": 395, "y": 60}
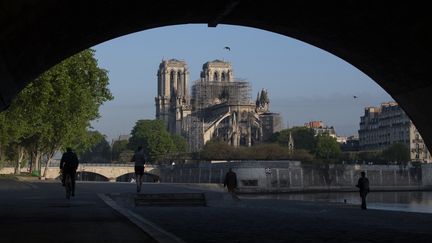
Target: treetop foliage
{"x": 159, "y": 145}
{"x": 54, "y": 111}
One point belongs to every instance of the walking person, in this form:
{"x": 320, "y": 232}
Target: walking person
{"x": 363, "y": 185}
{"x": 139, "y": 159}
{"x": 230, "y": 182}
{"x": 69, "y": 165}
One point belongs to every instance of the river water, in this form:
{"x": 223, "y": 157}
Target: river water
{"x": 413, "y": 201}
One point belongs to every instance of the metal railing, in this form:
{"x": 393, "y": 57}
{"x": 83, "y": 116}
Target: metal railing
{"x": 57, "y": 164}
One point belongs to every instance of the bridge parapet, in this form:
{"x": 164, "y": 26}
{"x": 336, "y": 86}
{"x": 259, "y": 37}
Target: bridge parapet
{"x": 108, "y": 170}
{"x": 57, "y": 164}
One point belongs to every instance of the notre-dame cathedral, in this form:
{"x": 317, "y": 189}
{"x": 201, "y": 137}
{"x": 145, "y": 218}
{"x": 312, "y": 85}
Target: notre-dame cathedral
{"x": 218, "y": 106}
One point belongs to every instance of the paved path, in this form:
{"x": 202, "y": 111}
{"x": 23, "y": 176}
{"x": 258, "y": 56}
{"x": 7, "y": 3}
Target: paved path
{"x": 266, "y": 220}
{"x": 37, "y": 212}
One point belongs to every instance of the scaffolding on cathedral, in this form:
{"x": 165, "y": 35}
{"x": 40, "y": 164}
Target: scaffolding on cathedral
{"x": 219, "y": 106}
{"x": 193, "y": 130}
{"x": 206, "y": 94}
{"x": 212, "y": 102}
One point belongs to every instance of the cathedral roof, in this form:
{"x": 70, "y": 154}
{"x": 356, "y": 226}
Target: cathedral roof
{"x": 174, "y": 60}
{"x": 172, "y": 63}
{"x": 217, "y": 63}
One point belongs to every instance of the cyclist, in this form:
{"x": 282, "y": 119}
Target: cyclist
{"x": 139, "y": 159}
{"x": 69, "y": 165}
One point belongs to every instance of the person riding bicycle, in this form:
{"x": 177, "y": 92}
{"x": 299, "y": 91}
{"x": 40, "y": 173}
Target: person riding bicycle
{"x": 69, "y": 165}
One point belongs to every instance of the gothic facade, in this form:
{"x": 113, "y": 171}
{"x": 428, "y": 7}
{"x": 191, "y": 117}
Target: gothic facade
{"x": 219, "y": 107}
{"x": 173, "y": 101}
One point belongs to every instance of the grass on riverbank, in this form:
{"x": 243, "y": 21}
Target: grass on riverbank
{"x": 8, "y": 177}
{"x": 23, "y": 175}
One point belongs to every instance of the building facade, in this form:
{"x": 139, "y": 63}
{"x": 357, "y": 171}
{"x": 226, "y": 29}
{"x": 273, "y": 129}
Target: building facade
{"x": 380, "y": 127}
{"x": 320, "y": 128}
{"x": 219, "y": 107}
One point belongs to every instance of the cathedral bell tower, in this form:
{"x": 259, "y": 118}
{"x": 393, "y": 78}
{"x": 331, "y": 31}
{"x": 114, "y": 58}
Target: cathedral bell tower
{"x": 173, "y": 101}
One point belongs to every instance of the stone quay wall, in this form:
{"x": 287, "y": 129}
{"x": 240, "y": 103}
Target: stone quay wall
{"x": 288, "y": 176}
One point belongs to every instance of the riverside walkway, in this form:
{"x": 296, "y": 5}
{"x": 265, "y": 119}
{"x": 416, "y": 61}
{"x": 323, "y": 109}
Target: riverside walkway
{"x": 267, "y": 220}
{"x": 104, "y": 212}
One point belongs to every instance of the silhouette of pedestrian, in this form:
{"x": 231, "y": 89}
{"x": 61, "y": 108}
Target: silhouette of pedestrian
{"x": 230, "y": 181}
{"x": 139, "y": 159}
{"x": 363, "y": 185}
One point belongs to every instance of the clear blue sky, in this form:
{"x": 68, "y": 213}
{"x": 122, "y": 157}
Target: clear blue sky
{"x": 304, "y": 82}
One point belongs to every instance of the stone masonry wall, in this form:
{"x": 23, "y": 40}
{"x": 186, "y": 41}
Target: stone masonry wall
{"x": 279, "y": 176}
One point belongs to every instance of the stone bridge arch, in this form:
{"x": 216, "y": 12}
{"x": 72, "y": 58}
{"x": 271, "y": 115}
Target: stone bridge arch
{"x": 147, "y": 177}
{"x": 109, "y": 171}
{"x": 390, "y": 42}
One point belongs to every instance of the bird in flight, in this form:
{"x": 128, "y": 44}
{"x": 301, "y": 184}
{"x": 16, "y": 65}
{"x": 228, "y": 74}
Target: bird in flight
{"x": 227, "y": 48}
{"x": 355, "y": 97}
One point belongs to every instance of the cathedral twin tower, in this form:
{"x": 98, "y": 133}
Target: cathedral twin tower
{"x": 173, "y": 100}
{"x": 219, "y": 106}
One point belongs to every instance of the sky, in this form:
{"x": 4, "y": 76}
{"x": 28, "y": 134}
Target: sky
{"x": 304, "y": 82}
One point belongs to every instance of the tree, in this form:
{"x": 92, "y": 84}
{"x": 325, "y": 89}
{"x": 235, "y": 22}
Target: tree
{"x": 125, "y": 156}
{"x": 155, "y": 139}
{"x": 304, "y": 138}
{"x": 100, "y": 152}
{"x": 118, "y": 147}
{"x": 370, "y": 156}
{"x": 56, "y": 109}
{"x": 77, "y": 88}
{"x": 327, "y": 148}
{"x": 180, "y": 148}
{"x": 269, "y": 152}
{"x": 12, "y": 128}
{"x": 328, "y": 151}
{"x": 180, "y": 143}
{"x": 217, "y": 150}
{"x": 302, "y": 155}
{"x": 398, "y": 153}
{"x": 19, "y": 123}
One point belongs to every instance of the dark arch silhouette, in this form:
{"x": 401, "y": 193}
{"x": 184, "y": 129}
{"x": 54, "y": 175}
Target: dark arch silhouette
{"x": 389, "y": 41}
{"x": 88, "y": 176}
{"x": 148, "y": 177}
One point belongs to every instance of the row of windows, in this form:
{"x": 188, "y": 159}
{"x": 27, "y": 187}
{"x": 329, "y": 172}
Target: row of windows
{"x": 179, "y": 75}
{"x": 223, "y": 76}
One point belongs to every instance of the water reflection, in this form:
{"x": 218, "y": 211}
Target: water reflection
{"x": 414, "y": 201}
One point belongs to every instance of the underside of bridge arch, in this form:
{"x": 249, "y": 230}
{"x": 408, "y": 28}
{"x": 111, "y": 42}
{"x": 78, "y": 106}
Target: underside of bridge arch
{"x": 90, "y": 176}
{"x": 390, "y": 42}
{"x": 130, "y": 177}
{"x": 87, "y": 176}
